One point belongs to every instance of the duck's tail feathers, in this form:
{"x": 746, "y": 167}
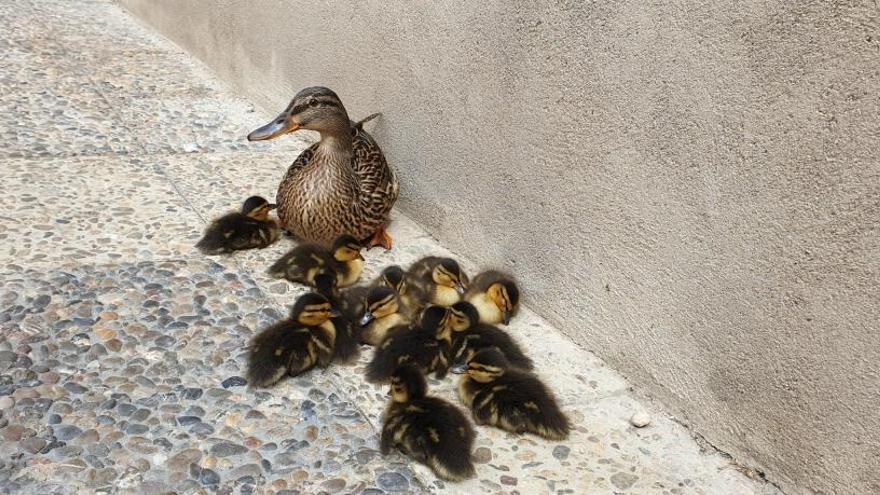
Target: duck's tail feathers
{"x": 452, "y": 466}
{"x": 381, "y": 366}
{"x": 360, "y": 124}
{"x": 209, "y": 245}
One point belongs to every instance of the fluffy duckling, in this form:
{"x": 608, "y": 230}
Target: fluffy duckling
{"x": 304, "y": 262}
{"x": 381, "y": 316}
{"x": 480, "y": 336}
{"x": 496, "y": 296}
{"x": 250, "y": 228}
{"x": 437, "y": 280}
{"x": 352, "y": 300}
{"x": 427, "y": 429}
{"x": 513, "y": 400}
{"x": 314, "y": 335}
{"x": 427, "y": 346}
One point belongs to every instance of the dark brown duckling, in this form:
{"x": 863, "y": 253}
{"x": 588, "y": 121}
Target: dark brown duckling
{"x": 314, "y": 335}
{"x": 381, "y": 316}
{"x": 480, "y": 336}
{"x": 304, "y": 262}
{"x": 496, "y": 296}
{"x": 427, "y": 346}
{"x": 353, "y": 299}
{"x": 507, "y": 398}
{"x": 436, "y": 280}
{"x": 250, "y": 228}
{"x": 427, "y": 429}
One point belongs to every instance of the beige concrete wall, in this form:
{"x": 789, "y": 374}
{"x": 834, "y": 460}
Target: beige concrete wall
{"x": 690, "y": 189}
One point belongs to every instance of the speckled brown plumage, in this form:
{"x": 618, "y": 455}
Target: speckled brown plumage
{"x": 341, "y": 185}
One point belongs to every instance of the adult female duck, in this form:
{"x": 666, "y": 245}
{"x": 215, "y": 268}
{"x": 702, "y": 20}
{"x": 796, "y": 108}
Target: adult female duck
{"x": 339, "y": 185}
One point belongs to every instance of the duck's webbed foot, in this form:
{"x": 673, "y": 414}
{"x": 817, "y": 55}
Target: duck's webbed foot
{"x": 380, "y": 238}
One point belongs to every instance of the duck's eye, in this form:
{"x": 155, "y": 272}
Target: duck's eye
{"x": 279, "y": 121}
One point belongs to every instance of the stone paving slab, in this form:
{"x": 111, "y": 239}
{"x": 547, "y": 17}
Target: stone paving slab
{"x": 122, "y": 348}
{"x": 92, "y": 209}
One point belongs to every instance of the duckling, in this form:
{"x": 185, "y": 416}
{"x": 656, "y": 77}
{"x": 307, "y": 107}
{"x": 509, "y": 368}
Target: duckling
{"x": 381, "y": 316}
{"x": 419, "y": 345}
{"x": 427, "y": 346}
{"x": 250, "y": 228}
{"x": 304, "y": 262}
{"x": 513, "y": 400}
{"x": 437, "y": 280}
{"x": 314, "y": 335}
{"x": 427, "y": 429}
{"x": 480, "y": 336}
{"x": 495, "y": 295}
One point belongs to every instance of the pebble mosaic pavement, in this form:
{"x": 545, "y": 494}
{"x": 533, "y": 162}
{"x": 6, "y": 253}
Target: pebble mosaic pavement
{"x": 122, "y": 349}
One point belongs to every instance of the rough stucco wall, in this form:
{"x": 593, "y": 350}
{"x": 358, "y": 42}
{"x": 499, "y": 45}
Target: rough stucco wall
{"x": 690, "y": 189}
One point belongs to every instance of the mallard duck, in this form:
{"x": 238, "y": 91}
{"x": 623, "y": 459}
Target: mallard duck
{"x": 420, "y": 345}
{"x": 340, "y": 185}
{"x": 427, "y": 429}
{"x": 480, "y": 336}
{"x": 428, "y": 345}
{"x": 507, "y": 398}
{"x": 353, "y": 299}
{"x": 495, "y": 295}
{"x": 314, "y": 335}
{"x": 305, "y": 262}
{"x": 436, "y": 280}
{"x": 381, "y": 315}
{"x": 250, "y": 228}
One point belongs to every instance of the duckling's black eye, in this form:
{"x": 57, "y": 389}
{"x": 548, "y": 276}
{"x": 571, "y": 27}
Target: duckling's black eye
{"x": 279, "y": 121}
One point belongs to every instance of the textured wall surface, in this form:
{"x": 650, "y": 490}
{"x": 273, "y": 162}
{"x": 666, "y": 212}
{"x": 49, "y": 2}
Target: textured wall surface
{"x": 690, "y": 189}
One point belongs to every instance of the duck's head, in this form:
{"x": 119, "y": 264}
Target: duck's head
{"x": 312, "y": 310}
{"x": 316, "y": 108}
{"x": 347, "y": 248}
{"x": 380, "y": 302}
{"x": 325, "y": 282}
{"x": 407, "y": 383}
{"x": 486, "y": 365}
{"x": 257, "y": 208}
{"x": 448, "y": 274}
{"x": 394, "y": 277}
{"x": 435, "y": 319}
{"x": 462, "y": 316}
{"x": 505, "y": 295}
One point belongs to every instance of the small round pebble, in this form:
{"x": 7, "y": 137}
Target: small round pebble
{"x": 561, "y": 452}
{"x": 393, "y": 482}
{"x": 234, "y": 381}
{"x": 640, "y": 419}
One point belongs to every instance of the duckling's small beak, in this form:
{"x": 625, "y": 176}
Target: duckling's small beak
{"x": 271, "y": 206}
{"x": 459, "y": 287}
{"x": 281, "y": 125}
{"x": 361, "y": 257}
{"x": 335, "y": 313}
{"x": 459, "y": 369}
{"x": 368, "y": 317}
{"x": 505, "y": 316}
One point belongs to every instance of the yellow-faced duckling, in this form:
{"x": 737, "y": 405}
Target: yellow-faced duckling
{"x": 504, "y": 397}
{"x": 353, "y": 299}
{"x": 248, "y": 229}
{"x": 437, "y": 280}
{"x": 303, "y": 263}
{"x": 496, "y": 296}
{"x": 427, "y": 429}
{"x": 427, "y": 346}
{"x": 381, "y": 316}
{"x": 480, "y": 336}
{"x": 314, "y": 335}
